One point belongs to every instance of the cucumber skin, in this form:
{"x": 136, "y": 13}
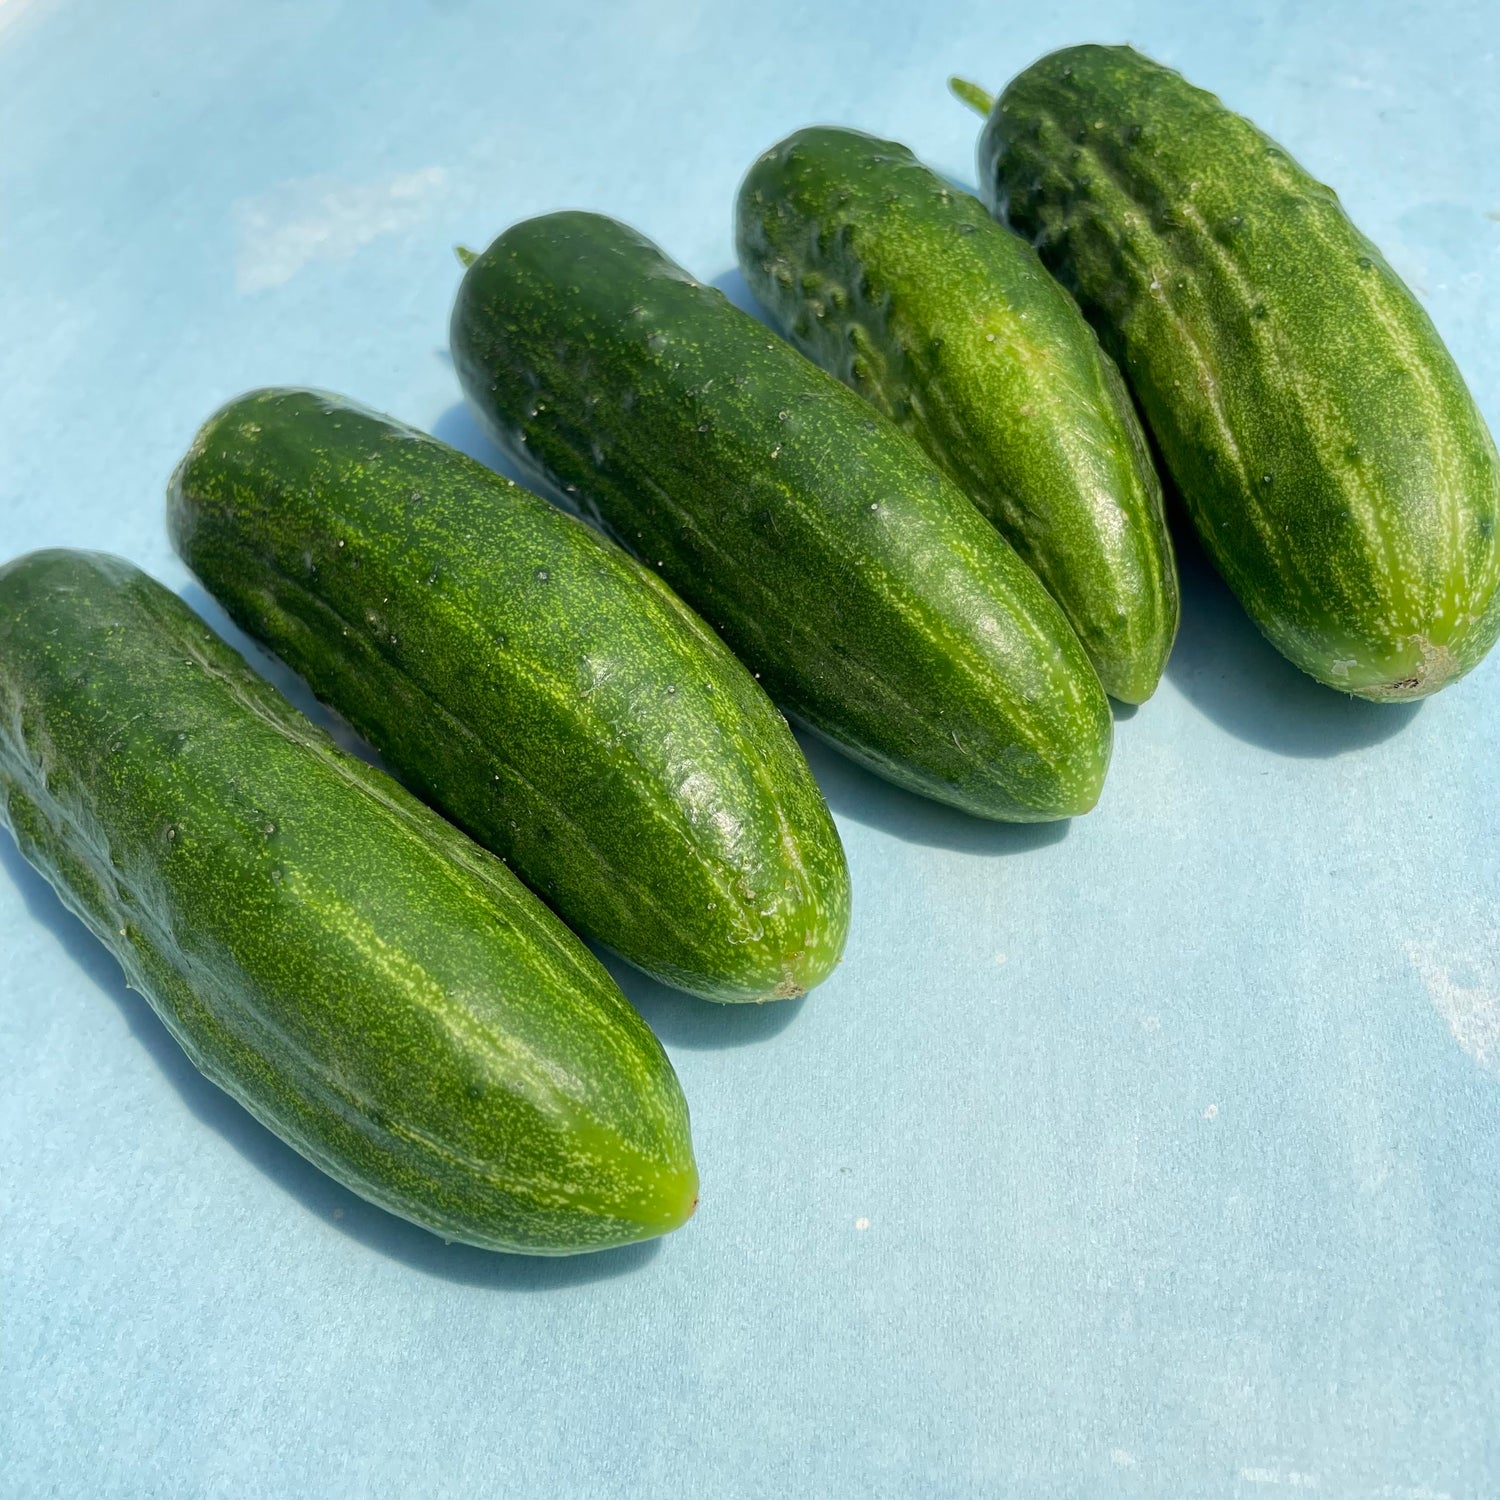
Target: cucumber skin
{"x": 949, "y": 324}
{"x": 855, "y": 578}
{"x": 383, "y": 995}
{"x": 538, "y": 685}
{"x": 1326, "y": 446}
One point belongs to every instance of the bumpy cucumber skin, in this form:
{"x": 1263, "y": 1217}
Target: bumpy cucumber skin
{"x": 844, "y": 567}
{"x": 379, "y": 992}
{"x": 1328, "y": 450}
{"x": 537, "y": 684}
{"x": 949, "y": 324}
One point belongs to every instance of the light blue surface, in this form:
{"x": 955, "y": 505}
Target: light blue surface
{"x": 1150, "y": 1156}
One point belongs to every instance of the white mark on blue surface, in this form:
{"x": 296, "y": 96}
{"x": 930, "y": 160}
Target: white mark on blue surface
{"x": 1464, "y": 986}
{"x": 1122, "y": 1458}
{"x": 309, "y": 219}
{"x": 12, "y": 10}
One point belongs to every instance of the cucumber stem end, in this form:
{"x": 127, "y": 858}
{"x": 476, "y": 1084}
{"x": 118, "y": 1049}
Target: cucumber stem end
{"x": 971, "y": 94}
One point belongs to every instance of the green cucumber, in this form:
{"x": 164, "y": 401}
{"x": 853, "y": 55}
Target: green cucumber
{"x": 383, "y": 995}
{"x": 543, "y": 689}
{"x": 853, "y": 575}
{"x": 949, "y": 324}
{"x": 1330, "y": 456}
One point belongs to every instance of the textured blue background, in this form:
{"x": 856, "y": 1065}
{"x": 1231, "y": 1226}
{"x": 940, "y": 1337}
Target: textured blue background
{"x": 1155, "y": 1155}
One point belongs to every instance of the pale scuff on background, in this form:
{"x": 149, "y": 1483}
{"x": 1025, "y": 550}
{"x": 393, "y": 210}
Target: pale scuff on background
{"x": 308, "y": 219}
{"x": 1463, "y": 981}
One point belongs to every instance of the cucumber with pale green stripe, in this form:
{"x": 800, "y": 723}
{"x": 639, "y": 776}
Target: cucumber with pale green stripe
{"x": 1328, "y": 451}
{"x": 535, "y": 683}
{"x": 381, "y": 993}
{"x": 842, "y": 565}
{"x": 907, "y": 290}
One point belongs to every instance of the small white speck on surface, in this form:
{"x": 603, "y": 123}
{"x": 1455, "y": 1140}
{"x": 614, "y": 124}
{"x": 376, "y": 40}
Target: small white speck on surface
{"x": 1212, "y": 1112}
{"x": 1292, "y": 1478}
{"x": 1000, "y": 958}
{"x": 1122, "y": 1458}
{"x": 861, "y": 1224}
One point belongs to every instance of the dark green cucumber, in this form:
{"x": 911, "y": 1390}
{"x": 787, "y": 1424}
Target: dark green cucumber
{"x": 949, "y": 324}
{"x": 542, "y": 688}
{"x": 374, "y": 988}
{"x": 1328, "y": 451}
{"x": 839, "y": 562}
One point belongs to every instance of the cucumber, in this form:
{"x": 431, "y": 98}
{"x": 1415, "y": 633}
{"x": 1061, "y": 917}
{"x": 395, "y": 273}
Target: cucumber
{"x": 383, "y": 995}
{"x": 543, "y": 689}
{"x": 1327, "y": 449}
{"x": 907, "y": 290}
{"x": 843, "y": 566}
